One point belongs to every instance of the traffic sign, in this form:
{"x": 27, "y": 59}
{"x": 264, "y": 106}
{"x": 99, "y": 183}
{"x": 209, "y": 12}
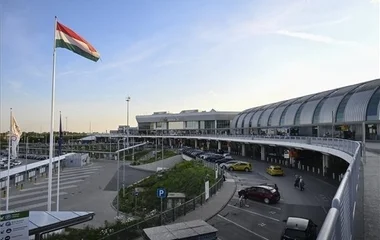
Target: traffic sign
{"x": 161, "y": 192}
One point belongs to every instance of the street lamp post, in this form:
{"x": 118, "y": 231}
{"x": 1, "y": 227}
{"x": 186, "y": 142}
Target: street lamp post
{"x": 118, "y": 177}
{"x": 127, "y": 99}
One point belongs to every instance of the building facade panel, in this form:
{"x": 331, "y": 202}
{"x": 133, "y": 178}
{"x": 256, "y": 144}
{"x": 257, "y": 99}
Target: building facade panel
{"x": 357, "y": 106}
{"x": 276, "y": 115}
{"x": 374, "y": 107}
{"x": 291, "y": 114}
{"x": 234, "y": 121}
{"x": 328, "y": 108}
{"x": 255, "y": 118}
{"x": 241, "y": 119}
{"x": 264, "y": 120}
{"x": 306, "y": 115}
{"x": 176, "y": 125}
{"x": 247, "y": 119}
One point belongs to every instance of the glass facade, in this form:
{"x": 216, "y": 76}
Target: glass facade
{"x": 210, "y": 124}
{"x": 339, "y": 116}
{"x": 191, "y": 125}
{"x": 282, "y": 119}
{"x": 373, "y": 106}
{"x": 223, "y": 124}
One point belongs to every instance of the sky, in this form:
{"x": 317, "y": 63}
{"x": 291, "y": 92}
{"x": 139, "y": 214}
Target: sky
{"x": 172, "y": 55}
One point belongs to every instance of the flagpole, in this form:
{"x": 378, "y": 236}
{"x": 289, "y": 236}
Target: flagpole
{"x": 9, "y": 160}
{"x": 59, "y": 161}
{"x": 51, "y": 144}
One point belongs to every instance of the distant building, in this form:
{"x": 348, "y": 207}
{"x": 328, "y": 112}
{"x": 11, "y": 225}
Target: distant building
{"x": 123, "y": 129}
{"x": 187, "y": 121}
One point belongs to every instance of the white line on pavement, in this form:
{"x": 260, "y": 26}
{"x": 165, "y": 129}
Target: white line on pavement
{"x": 73, "y": 174}
{"x": 28, "y": 207}
{"x": 37, "y": 193}
{"x": 258, "y": 203}
{"x": 54, "y": 185}
{"x": 255, "y": 213}
{"x": 242, "y": 227}
{"x": 61, "y": 180}
{"x": 13, "y": 203}
{"x": 79, "y": 170}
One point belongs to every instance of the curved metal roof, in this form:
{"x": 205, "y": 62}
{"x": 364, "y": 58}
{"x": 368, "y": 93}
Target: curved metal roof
{"x": 355, "y": 108}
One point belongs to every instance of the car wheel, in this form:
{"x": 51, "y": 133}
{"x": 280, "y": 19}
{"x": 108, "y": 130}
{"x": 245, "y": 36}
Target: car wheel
{"x": 246, "y": 169}
{"x": 231, "y": 169}
{"x": 266, "y": 200}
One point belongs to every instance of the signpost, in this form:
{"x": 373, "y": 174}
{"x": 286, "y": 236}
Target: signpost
{"x": 161, "y": 194}
{"x": 14, "y": 225}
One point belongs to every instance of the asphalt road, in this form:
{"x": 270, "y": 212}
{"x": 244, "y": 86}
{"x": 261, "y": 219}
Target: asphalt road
{"x": 132, "y": 175}
{"x": 265, "y": 222}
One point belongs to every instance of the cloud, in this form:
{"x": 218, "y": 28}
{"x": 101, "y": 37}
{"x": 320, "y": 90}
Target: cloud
{"x": 315, "y": 38}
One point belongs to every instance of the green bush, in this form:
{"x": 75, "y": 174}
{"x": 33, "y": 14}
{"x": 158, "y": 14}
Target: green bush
{"x": 185, "y": 177}
{"x": 167, "y": 154}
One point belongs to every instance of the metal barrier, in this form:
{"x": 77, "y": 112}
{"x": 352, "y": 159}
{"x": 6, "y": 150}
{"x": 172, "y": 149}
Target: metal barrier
{"x": 339, "y": 222}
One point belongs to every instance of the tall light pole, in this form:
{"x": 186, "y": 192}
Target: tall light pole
{"x": 127, "y": 100}
{"x": 118, "y": 177}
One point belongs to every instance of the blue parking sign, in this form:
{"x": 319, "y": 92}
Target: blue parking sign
{"x": 161, "y": 192}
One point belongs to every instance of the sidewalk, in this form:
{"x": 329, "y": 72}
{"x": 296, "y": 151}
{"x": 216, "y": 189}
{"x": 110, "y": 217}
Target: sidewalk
{"x": 214, "y": 205}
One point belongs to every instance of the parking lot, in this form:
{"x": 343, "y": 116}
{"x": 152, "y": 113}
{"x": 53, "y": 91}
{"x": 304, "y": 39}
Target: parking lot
{"x": 258, "y": 220}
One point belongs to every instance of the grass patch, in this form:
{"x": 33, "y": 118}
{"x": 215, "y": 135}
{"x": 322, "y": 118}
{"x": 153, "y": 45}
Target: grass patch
{"x": 138, "y": 155}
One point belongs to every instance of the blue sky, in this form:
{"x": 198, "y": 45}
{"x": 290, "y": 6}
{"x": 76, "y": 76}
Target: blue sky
{"x": 170, "y": 55}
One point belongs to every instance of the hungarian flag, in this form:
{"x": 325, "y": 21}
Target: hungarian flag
{"x": 67, "y": 38}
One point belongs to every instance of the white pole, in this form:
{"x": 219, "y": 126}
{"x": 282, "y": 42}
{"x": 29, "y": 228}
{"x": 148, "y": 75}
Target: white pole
{"x": 332, "y": 124}
{"x": 9, "y": 160}
{"x": 59, "y": 163}
{"x": 51, "y": 144}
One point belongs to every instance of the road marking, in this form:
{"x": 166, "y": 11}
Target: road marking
{"x": 242, "y": 227}
{"x": 255, "y": 213}
{"x": 35, "y": 193}
{"x": 37, "y": 205}
{"x": 68, "y": 170}
{"x": 54, "y": 185}
{"x": 272, "y": 212}
{"x": 13, "y": 203}
{"x": 262, "y": 224}
{"x": 323, "y": 207}
{"x": 77, "y": 172}
{"x": 73, "y": 174}
{"x": 258, "y": 203}
{"x": 61, "y": 180}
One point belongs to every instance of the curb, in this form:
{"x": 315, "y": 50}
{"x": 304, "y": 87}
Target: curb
{"x": 224, "y": 205}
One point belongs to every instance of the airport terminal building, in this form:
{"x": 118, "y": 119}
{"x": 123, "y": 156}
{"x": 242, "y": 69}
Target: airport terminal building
{"x": 186, "y": 121}
{"x": 341, "y": 112}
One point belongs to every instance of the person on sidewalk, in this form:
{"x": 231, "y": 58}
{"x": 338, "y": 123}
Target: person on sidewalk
{"x": 243, "y": 198}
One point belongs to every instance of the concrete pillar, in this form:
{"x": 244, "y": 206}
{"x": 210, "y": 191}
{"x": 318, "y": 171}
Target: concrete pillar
{"x": 208, "y": 145}
{"x": 229, "y": 149}
{"x": 219, "y": 145}
{"x": 196, "y": 143}
{"x": 325, "y": 163}
{"x": 263, "y": 153}
{"x": 243, "y": 150}
{"x": 216, "y": 126}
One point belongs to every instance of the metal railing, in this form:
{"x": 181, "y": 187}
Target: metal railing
{"x": 135, "y": 231}
{"x": 339, "y": 222}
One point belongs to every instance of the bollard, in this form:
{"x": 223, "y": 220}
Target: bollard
{"x": 303, "y": 167}
{"x": 339, "y": 178}
{"x": 319, "y": 171}
{"x": 313, "y": 170}
{"x": 22, "y": 185}
{"x": 35, "y": 180}
{"x": 307, "y": 168}
{"x": 333, "y": 176}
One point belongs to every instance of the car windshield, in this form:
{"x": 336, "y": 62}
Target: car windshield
{"x": 293, "y": 233}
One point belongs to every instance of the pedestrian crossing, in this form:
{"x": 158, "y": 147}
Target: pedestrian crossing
{"x": 34, "y": 196}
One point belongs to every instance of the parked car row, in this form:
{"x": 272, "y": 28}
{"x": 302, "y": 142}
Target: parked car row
{"x": 13, "y": 163}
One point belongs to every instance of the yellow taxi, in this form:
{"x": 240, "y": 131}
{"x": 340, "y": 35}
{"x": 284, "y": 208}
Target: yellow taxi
{"x": 275, "y": 171}
{"x": 240, "y": 166}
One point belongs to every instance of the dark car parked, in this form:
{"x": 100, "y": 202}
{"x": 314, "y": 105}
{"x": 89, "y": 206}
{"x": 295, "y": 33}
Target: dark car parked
{"x": 262, "y": 193}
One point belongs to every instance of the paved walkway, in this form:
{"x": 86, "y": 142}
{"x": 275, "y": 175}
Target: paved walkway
{"x": 214, "y": 205}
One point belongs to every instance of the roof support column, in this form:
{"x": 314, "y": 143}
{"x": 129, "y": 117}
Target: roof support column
{"x": 216, "y": 126}
{"x": 243, "y": 150}
{"x": 219, "y": 145}
{"x": 263, "y": 153}
{"x": 196, "y": 143}
{"x": 229, "y": 147}
{"x": 325, "y": 163}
